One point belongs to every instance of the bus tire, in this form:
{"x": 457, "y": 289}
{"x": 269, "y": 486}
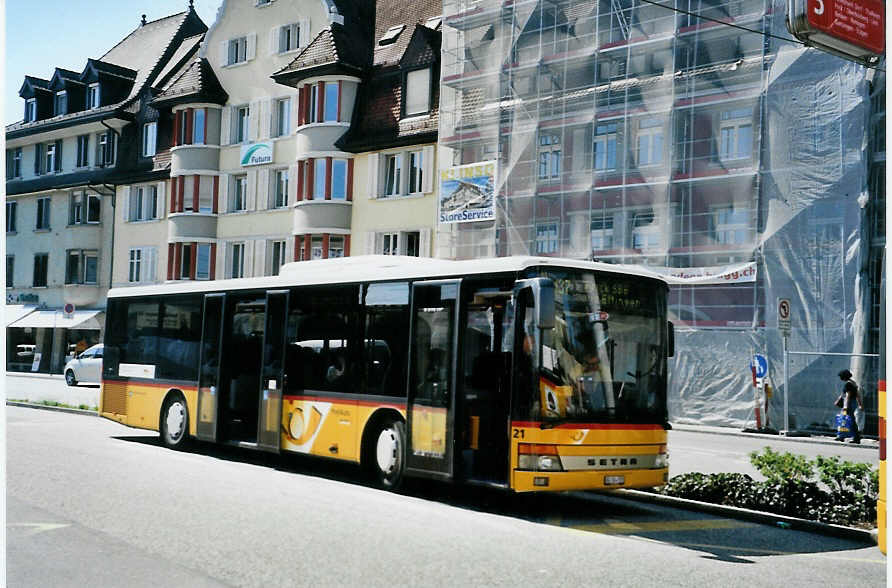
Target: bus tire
{"x": 388, "y": 454}
{"x": 174, "y": 422}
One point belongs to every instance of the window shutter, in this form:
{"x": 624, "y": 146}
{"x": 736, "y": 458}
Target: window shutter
{"x": 254, "y": 120}
{"x": 220, "y": 266}
{"x": 295, "y": 112}
{"x": 264, "y": 190}
{"x": 38, "y": 158}
{"x": 260, "y": 254}
{"x": 370, "y": 243}
{"x": 266, "y": 116}
{"x": 151, "y": 263}
{"x": 224, "y": 52}
{"x": 252, "y": 46}
{"x": 225, "y": 125}
{"x": 373, "y": 162}
{"x": 251, "y": 201}
{"x": 293, "y": 187}
{"x": 424, "y": 243}
{"x": 125, "y": 194}
{"x": 58, "y": 160}
{"x": 274, "y": 40}
{"x": 304, "y": 32}
{"x": 223, "y": 202}
{"x": 159, "y": 207}
{"x": 427, "y": 169}
{"x": 249, "y": 258}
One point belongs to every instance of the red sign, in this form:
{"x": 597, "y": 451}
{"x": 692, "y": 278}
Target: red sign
{"x": 859, "y": 22}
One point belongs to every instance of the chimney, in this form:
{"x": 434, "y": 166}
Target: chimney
{"x": 143, "y": 23}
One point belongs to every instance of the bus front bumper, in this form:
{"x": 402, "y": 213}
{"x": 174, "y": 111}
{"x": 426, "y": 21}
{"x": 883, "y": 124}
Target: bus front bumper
{"x": 528, "y": 481}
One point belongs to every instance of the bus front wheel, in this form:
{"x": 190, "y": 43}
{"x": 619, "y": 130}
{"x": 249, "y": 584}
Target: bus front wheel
{"x": 390, "y": 454}
{"x": 174, "y": 426}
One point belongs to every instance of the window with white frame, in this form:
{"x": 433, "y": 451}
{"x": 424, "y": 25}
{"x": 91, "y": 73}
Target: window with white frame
{"x": 13, "y": 163}
{"x": 61, "y": 103}
{"x": 199, "y": 121}
{"x": 602, "y": 232}
{"x": 203, "y": 261}
{"x": 319, "y": 166}
{"x": 186, "y": 262}
{"x": 106, "y": 148}
{"x": 81, "y": 266}
{"x": 289, "y": 37}
{"x": 236, "y": 260}
{"x": 416, "y": 171}
{"x": 276, "y": 257}
{"x": 282, "y": 117}
{"x": 142, "y": 265}
{"x": 735, "y": 134}
{"x": 549, "y": 155}
{"x": 143, "y": 203}
{"x": 30, "y": 110}
{"x": 237, "y": 50}
{"x": 417, "y": 97}
{"x": 331, "y": 102}
{"x": 241, "y": 124}
{"x": 390, "y": 244}
{"x": 238, "y": 193}
{"x": 731, "y": 225}
{"x": 316, "y": 247}
{"x": 279, "y": 189}
{"x": 313, "y": 104}
{"x": 43, "y": 214}
{"x": 149, "y": 138}
{"x": 52, "y": 160}
{"x": 93, "y": 96}
{"x": 645, "y": 231}
{"x": 338, "y": 179}
{"x": 650, "y": 142}
{"x": 83, "y": 151}
{"x": 412, "y": 243}
{"x": 393, "y": 164}
{"x": 604, "y": 147}
{"x": 547, "y": 237}
{"x": 335, "y": 246}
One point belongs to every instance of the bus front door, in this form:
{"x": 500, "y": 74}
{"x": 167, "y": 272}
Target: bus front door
{"x": 272, "y": 372}
{"x": 432, "y": 357}
{"x": 209, "y": 367}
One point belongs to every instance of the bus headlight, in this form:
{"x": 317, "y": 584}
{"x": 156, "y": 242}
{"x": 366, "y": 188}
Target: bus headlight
{"x": 540, "y": 458}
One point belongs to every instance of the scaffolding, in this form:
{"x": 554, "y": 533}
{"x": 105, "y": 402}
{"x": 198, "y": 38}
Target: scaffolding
{"x": 679, "y": 134}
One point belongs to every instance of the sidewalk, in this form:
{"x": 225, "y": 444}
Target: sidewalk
{"x": 866, "y": 443}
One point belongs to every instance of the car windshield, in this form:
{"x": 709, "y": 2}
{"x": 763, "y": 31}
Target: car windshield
{"x": 605, "y": 358}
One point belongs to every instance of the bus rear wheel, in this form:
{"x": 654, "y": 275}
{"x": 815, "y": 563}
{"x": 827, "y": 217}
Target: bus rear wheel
{"x": 389, "y": 456}
{"x": 174, "y": 425}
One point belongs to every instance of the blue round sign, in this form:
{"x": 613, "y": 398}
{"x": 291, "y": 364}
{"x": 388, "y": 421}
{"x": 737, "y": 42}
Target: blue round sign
{"x": 761, "y": 363}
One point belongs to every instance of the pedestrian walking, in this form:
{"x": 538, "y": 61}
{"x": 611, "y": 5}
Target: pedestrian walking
{"x": 847, "y": 401}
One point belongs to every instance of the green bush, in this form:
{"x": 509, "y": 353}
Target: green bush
{"x": 789, "y": 488}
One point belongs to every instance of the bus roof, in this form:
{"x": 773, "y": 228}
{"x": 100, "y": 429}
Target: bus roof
{"x": 371, "y": 268}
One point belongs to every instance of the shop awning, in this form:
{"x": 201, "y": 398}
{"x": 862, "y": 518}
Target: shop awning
{"x": 13, "y": 312}
{"x": 56, "y": 319}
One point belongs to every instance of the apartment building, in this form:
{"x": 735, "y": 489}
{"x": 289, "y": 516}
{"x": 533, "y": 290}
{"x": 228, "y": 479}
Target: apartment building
{"x": 78, "y": 140}
{"x": 690, "y": 137}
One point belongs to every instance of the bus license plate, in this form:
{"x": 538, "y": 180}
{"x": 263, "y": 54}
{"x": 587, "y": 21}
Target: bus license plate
{"x": 614, "y": 480}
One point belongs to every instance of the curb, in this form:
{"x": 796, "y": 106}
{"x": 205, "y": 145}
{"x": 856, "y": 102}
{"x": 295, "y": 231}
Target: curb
{"x": 871, "y": 444}
{"x": 56, "y": 408}
{"x": 765, "y": 518}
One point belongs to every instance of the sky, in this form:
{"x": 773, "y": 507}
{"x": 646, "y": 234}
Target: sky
{"x": 81, "y": 30}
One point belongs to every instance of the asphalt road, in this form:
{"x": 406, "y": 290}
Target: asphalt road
{"x": 90, "y": 502}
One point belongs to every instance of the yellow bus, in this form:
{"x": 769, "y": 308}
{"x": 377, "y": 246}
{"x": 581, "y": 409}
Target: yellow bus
{"x": 530, "y": 374}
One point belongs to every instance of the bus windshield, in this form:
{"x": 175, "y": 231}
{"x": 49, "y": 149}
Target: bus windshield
{"x": 605, "y": 359}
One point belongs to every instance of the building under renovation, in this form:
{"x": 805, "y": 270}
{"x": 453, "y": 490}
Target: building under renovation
{"x": 699, "y": 139}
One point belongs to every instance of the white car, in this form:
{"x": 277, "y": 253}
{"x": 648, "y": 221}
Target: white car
{"x": 86, "y": 367}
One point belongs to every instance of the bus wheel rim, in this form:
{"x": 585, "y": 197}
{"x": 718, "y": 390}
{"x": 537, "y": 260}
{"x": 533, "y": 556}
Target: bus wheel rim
{"x": 387, "y": 451}
{"x": 176, "y": 419}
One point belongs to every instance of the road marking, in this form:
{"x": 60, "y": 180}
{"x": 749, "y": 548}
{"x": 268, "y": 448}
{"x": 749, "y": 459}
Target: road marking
{"x": 756, "y": 550}
{"x": 35, "y": 528}
{"x": 615, "y": 527}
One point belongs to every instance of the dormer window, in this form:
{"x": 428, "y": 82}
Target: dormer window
{"x": 61, "y": 102}
{"x": 417, "y": 93}
{"x": 391, "y": 35}
{"x": 30, "y": 110}
{"x": 93, "y": 96}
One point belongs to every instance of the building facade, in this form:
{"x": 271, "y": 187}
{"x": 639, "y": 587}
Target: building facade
{"x": 78, "y": 140}
{"x": 659, "y": 135}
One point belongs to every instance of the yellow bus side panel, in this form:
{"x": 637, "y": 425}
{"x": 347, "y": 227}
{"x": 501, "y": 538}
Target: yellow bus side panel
{"x": 319, "y": 427}
{"x": 138, "y": 404}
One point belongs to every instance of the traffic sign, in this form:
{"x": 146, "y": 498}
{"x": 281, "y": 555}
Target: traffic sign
{"x": 783, "y": 315}
{"x": 68, "y": 310}
{"x": 761, "y": 364}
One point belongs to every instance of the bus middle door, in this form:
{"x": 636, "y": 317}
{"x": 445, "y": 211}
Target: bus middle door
{"x": 432, "y": 378}
{"x": 272, "y": 371}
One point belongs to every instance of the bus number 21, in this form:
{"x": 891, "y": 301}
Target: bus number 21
{"x": 518, "y": 433}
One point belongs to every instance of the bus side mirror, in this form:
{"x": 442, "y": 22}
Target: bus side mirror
{"x": 670, "y": 339}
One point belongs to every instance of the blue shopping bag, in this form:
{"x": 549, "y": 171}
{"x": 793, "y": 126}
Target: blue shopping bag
{"x": 844, "y": 426}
